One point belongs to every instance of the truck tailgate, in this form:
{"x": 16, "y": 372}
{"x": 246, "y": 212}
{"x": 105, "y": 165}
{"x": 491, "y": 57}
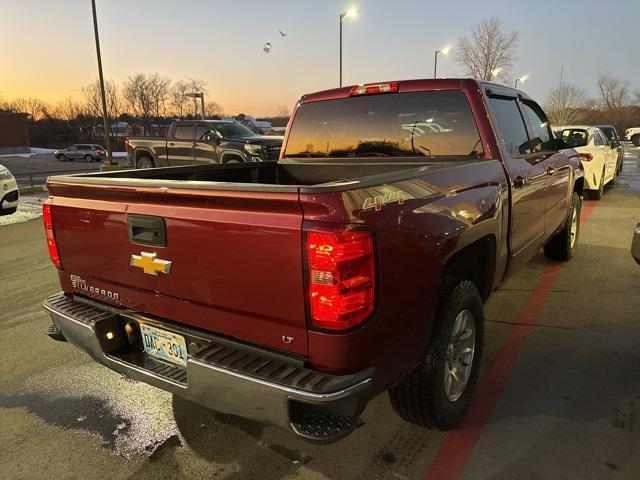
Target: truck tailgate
{"x": 236, "y": 259}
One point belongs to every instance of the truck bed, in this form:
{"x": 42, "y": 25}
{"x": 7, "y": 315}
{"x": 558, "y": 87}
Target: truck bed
{"x": 281, "y": 176}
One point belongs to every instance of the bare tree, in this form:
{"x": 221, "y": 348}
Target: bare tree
{"x": 489, "y": 52}
{"x": 136, "y": 94}
{"x": 564, "y": 103}
{"x": 36, "y": 108}
{"x": 213, "y": 109}
{"x": 69, "y": 110}
{"x": 93, "y": 98}
{"x": 614, "y": 98}
{"x": 283, "y": 111}
{"x": 178, "y": 95}
{"x": 158, "y": 89}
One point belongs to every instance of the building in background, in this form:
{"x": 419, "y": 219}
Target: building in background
{"x": 14, "y": 133}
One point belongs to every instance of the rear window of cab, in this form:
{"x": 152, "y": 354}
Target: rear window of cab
{"x": 416, "y": 124}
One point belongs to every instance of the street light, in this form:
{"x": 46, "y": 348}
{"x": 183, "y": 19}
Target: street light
{"x": 199, "y": 95}
{"x": 521, "y": 79}
{"x": 444, "y": 51}
{"x": 105, "y": 118}
{"x": 351, "y": 13}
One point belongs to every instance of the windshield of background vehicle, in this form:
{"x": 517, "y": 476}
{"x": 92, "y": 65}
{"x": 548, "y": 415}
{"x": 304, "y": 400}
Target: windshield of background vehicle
{"x": 417, "y": 124}
{"x": 233, "y": 130}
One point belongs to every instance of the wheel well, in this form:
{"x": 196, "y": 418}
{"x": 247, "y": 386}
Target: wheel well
{"x": 232, "y": 156}
{"x": 476, "y": 263}
{"x": 578, "y": 186}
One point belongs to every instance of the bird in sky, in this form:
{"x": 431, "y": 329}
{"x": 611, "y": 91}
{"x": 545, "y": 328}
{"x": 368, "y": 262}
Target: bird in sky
{"x": 267, "y": 47}
{"x": 282, "y": 34}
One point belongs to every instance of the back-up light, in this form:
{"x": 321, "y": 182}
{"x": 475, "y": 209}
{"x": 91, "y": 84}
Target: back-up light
{"x": 341, "y": 277}
{"x": 587, "y": 157}
{"x": 373, "y": 88}
{"x": 51, "y": 239}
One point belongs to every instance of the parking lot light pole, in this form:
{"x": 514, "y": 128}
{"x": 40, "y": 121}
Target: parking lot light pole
{"x": 444, "y": 51}
{"x": 105, "y": 118}
{"x": 199, "y": 95}
{"x": 352, "y": 13}
{"x": 521, "y": 80}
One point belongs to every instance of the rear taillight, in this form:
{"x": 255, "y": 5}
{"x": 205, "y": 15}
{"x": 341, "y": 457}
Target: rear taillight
{"x": 587, "y": 157}
{"x": 126, "y": 144}
{"x": 51, "y": 239}
{"x": 373, "y": 88}
{"x": 341, "y": 277}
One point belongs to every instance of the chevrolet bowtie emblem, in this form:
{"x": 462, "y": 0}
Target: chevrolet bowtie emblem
{"x": 150, "y": 264}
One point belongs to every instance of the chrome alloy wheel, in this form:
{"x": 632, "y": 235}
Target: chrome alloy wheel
{"x": 459, "y": 355}
{"x": 574, "y": 227}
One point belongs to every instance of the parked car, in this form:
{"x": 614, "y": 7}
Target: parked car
{"x": 202, "y": 142}
{"x": 598, "y": 157}
{"x": 81, "y": 151}
{"x": 633, "y": 135}
{"x": 635, "y": 244}
{"x": 293, "y": 292}
{"x": 9, "y": 195}
{"x": 614, "y": 140}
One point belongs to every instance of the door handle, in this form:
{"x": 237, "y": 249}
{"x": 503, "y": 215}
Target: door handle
{"x": 551, "y": 171}
{"x": 519, "y": 182}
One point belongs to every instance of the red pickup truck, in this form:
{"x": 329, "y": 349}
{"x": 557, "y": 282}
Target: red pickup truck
{"x": 293, "y": 292}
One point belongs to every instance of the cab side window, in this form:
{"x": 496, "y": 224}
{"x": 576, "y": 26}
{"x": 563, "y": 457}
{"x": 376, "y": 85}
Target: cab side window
{"x": 542, "y": 140}
{"x": 184, "y": 132}
{"x": 201, "y": 132}
{"x": 510, "y": 125}
{"x": 597, "y": 140}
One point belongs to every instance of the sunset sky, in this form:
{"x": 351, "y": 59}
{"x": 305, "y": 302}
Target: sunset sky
{"x": 47, "y": 48}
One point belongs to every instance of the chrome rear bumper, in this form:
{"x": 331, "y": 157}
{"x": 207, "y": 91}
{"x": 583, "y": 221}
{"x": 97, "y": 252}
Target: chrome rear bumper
{"x": 221, "y": 374}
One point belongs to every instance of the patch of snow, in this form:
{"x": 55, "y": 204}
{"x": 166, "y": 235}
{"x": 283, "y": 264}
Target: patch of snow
{"x": 21, "y": 155}
{"x": 29, "y": 207}
{"x": 39, "y": 151}
{"x": 119, "y": 154}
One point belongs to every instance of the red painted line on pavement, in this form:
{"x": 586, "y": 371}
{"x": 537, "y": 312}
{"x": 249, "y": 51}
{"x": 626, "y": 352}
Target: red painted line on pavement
{"x": 452, "y": 457}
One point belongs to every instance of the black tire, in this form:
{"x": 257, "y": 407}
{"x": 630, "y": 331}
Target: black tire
{"x": 9, "y": 211}
{"x": 62, "y": 158}
{"x": 597, "y": 194}
{"x": 144, "y": 162}
{"x": 562, "y": 246}
{"x": 88, "y": 158}
{"x": 635, "y": 139}
{"x": 420, "y": 397}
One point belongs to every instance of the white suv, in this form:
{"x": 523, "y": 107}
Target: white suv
{"x": 9, "y": 195}
{"x": 633, "y": 135}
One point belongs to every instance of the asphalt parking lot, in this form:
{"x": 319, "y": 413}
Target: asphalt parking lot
{"x": 43, "y": 165}
{"x": 559, "y": 396}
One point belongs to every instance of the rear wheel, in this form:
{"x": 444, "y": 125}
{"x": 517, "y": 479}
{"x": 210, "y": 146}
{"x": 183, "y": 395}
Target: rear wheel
{"x": 562, "y": 246}
{"x": 436, "y": 394}
{"x": 8, "y": 211}
{"x": 145, "y": 162}
{"x": 636, "y": 140}
{"x": 88, "y": 158}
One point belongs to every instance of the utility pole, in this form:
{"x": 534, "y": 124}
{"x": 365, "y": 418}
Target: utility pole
{"x": 105, "y": 117}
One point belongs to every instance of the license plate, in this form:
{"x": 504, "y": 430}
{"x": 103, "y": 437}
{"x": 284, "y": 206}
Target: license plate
{"x": 164, "y": 345}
